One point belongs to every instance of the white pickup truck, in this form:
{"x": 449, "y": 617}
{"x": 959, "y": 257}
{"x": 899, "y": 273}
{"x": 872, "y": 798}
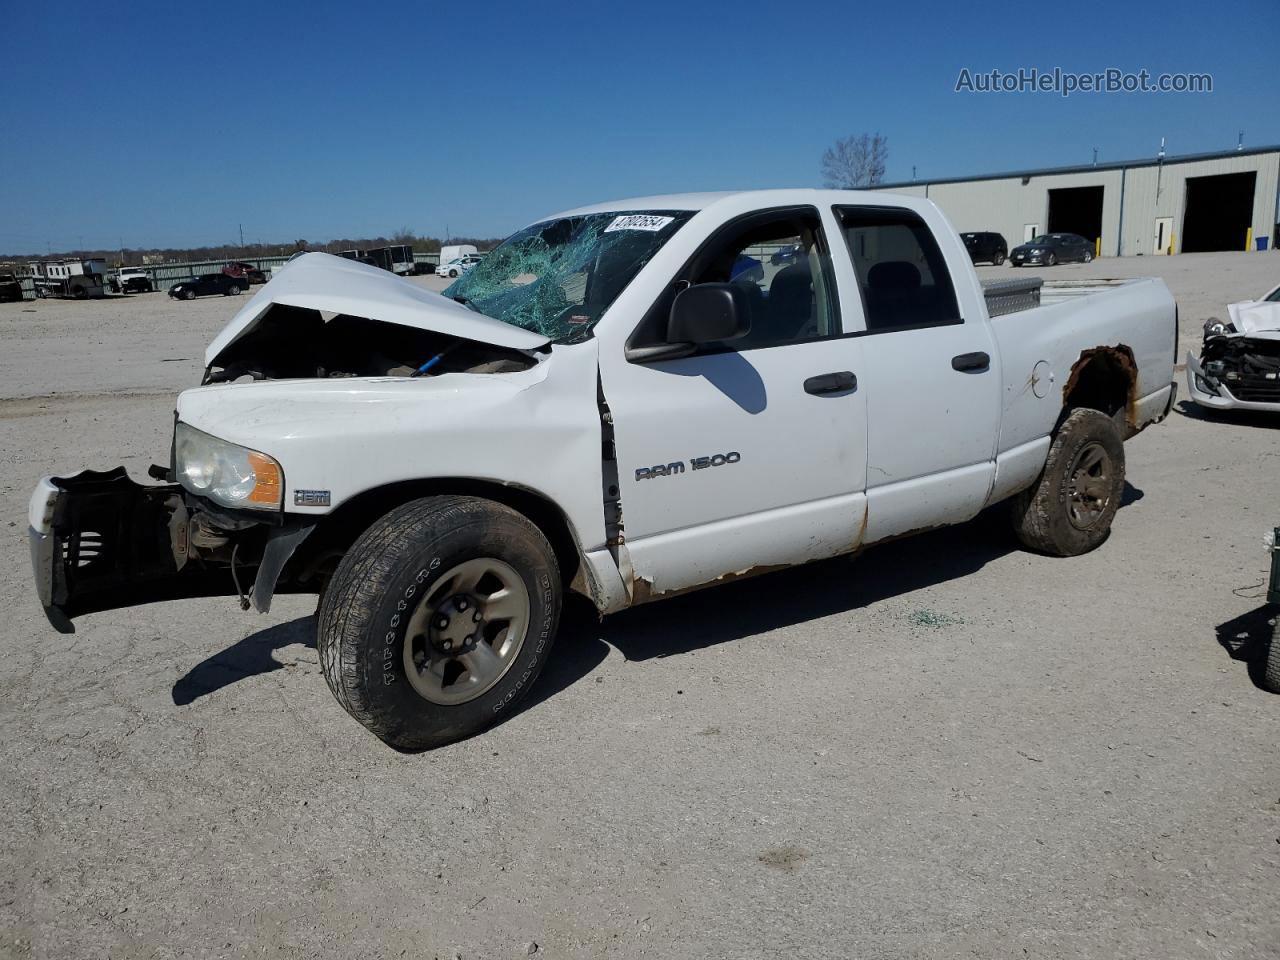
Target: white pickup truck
{"x": 616, "y": 402}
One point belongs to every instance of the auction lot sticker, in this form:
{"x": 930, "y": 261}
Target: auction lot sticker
{"x": 638, "y": 221}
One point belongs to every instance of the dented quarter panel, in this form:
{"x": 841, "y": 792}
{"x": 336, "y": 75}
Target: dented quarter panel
{"x": 1134, "y": 318}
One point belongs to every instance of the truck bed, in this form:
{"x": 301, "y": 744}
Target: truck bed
{"x": 1015, "y": 295}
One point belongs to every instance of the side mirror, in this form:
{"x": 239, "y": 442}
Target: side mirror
{"x": 706, "y": 313}
{"x": 709, "y": 312}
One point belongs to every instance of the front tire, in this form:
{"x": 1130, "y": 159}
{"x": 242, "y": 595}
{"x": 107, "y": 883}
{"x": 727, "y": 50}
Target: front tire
{"x": 1069, "y": 509}
{"x": 189, "y": 295}
{"x": 1051, "y": 260}
{"x": 1269, "y": 659}
{"x": 439, "y": 619}
{"x": 453, "y": 274}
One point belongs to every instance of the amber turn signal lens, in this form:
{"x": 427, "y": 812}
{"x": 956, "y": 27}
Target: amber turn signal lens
{"x": 268, "y": 485}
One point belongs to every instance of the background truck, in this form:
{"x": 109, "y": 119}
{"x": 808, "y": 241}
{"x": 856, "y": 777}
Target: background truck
{"x": 77, "y": 279}
{"x": 397, "y": 258}
{"x": 606, "y": 407}
{"x": 131, "y": 280}
{"x": 453, "y": 251}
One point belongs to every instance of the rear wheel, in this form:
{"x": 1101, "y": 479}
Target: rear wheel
{"x": 999, "y": 259}
{"x": 439, "y": 619}
{"x": 1088, "y": 256}
{"x": 1069, "y": 509}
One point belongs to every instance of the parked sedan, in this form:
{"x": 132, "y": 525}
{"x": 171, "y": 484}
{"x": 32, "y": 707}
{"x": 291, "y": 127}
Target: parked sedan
{"x": 208, "y": 285}
{"x": 458, "y": 265}
{"x": 985, "y": 247}
{"x": 1052, "y": 248}
{"x": 788, "y": 254}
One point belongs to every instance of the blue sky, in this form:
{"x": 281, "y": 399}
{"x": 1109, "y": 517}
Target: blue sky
{"x": 159, "y": 125}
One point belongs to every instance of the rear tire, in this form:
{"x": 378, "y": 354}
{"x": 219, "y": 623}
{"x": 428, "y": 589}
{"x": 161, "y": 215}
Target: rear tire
{"x": 396, "y": 638}
{"x": 999, "y": 259}
{"x": 1069, "y": 509}
{"x": 1088, "y": 256}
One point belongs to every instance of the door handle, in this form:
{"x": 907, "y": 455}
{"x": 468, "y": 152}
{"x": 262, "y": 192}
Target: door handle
{"x": 840, "y": 382}
{"x": 976, "y": 361}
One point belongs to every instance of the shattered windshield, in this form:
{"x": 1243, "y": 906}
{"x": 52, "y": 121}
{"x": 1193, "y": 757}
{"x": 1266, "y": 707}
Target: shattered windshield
{"x": 557, "y": 277}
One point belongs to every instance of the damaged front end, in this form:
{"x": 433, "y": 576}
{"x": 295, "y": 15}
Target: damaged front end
{"x": 1236, "y": 371}
{"x": 100, "y": 541}
{"x": 1239, "y": 364}
{"x": 324, "y": 357}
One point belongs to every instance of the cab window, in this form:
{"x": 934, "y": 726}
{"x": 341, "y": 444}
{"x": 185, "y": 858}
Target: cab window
{"x": 902, "y": 276}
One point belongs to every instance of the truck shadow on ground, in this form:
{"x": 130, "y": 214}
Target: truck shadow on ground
{"x": 248, "y": 658}
{"x": 694, "y": 621}
{"x": 744, "y": 608}
{"x": 1245, "y": 638}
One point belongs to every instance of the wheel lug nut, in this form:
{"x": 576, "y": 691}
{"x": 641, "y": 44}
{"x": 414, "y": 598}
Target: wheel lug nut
{"x": 476, "y": 616}
{"x": 448, "y": 644}
{"x": 462, "y": 603}
{"x": 471, "y": 638}
{"x": 442, "y": 622}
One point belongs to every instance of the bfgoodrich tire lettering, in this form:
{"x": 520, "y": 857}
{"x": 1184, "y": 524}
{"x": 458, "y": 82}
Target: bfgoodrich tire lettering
{"x": 1069, "y": 509}
{"x": 373, "y": 596}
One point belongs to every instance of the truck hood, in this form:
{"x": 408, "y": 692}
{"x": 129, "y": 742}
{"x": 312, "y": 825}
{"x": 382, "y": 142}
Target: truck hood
{"x": 334, "y": 285}
{"x": 1256, "y": 318}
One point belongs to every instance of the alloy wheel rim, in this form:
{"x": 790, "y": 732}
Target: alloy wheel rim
{"x": 1089, "y": 485}
{"x": 467, "y": 631}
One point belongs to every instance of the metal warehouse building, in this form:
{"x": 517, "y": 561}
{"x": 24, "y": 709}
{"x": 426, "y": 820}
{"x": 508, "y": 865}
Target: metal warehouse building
{"x": 1186, "y": 204}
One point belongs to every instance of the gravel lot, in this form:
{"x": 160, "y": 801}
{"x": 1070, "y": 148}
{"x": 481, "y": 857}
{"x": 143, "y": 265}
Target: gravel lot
{"x": 943, "y": 748}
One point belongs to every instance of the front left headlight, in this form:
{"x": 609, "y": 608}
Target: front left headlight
{"x": 226, "y": 473}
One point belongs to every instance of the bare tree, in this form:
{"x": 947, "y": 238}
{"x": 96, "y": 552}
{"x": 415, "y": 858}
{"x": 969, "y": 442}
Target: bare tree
{"x": 855, "y": 161}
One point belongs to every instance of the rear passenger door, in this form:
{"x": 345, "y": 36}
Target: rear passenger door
{"x": 929, "y": 375}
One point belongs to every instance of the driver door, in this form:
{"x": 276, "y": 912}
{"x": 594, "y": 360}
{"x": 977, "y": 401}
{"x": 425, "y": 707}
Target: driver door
{"x": 750, "y": 453}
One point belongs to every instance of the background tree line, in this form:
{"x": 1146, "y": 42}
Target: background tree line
{"x": 132, "y": 256}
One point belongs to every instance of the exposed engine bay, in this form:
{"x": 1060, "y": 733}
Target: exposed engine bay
{"x": 289, "y": 343}
{"x": 1242, "y": 356}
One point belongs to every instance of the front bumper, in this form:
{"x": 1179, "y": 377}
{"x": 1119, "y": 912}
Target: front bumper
{"x": 100, "y": 541}
{"x": 1223, "y": 399}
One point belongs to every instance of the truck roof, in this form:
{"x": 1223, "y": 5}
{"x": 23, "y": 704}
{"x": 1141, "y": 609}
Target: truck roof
{"x": 700, "y": 201}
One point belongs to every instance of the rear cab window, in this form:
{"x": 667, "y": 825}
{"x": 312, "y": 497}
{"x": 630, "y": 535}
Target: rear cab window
{"x": 902, "y": 275}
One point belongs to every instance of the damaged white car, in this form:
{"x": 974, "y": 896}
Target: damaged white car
{"x": 606, "y": 405}
{"x": 1239, "y": 364}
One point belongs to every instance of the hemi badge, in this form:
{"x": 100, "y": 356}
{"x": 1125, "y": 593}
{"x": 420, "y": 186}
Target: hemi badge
{"x": 311, "y": 498}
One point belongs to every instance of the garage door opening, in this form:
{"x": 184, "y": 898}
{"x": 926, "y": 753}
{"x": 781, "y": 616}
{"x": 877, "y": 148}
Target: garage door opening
{"x": 1076, "y": 210}
{"x": 1219, "y": 212}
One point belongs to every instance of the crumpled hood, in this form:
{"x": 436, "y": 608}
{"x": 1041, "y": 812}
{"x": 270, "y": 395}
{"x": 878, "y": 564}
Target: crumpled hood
{"x": 1256, "y": 318}
{"x": 319, "y": 281}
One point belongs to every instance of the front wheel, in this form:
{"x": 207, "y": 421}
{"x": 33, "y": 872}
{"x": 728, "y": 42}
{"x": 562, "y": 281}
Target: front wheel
{"x": 1069, "y": 509}
{"x": 1051, "y": 260}
{"x": 189, "y": 295}
{"x": 439, "y": 619}
{"x": 1269, "y": 659}
{"x": 453, "y": 273}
